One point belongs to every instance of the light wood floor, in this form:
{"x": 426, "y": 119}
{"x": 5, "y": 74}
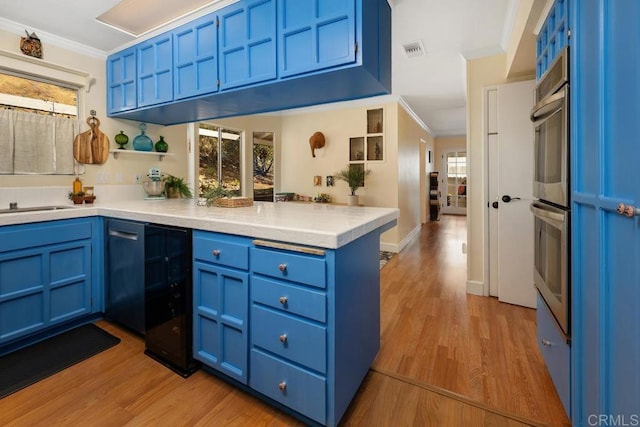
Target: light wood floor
{"x": 434, "y": 338}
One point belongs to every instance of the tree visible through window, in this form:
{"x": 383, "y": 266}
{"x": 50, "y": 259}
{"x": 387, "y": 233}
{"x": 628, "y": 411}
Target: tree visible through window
{"x": 220, "y": 155}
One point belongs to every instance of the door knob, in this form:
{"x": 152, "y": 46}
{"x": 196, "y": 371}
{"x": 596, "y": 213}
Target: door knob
{"x": 507, "y": 198}
{"x": 494, "y": 205}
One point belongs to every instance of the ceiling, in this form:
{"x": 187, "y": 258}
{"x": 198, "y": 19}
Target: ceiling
{"x": 433, "y": 85}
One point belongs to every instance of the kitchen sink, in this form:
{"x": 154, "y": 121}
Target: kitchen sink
{"x": 35, "y": 209}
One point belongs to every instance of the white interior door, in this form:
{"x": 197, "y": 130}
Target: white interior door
{"x": 513, "y": 164}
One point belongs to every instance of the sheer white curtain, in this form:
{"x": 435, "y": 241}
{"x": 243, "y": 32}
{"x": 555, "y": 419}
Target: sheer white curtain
{"x": 36, "y": 144}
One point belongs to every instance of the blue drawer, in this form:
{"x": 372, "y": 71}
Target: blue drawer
{"x": 221, "y": 249}
{"x": 290, "y": 299}
{"x": 295, "y": 339}
{"x": 556, "y": 353}
{"x": 307, "y": 269}
{"x": 294, "y": 387}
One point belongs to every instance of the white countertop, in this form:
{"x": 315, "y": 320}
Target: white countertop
{"x": 321, "y": 225}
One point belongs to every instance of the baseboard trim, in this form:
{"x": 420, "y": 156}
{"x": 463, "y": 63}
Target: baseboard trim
{"x": 397, "y": 247}
{"x": 475, "y": 288}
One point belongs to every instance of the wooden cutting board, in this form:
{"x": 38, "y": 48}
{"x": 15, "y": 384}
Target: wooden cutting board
{"x": 92, "y": 146}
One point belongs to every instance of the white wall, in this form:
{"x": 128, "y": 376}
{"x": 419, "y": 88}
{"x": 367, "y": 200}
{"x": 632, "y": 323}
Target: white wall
{"x": 120, "y": 171}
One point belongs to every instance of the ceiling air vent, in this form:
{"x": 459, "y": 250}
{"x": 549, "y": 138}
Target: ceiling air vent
{"x": 413, "y": 49}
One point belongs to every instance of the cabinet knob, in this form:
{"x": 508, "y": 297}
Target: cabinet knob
{"x": 216, "y": 252}
{"x": 282, "y": 386}
{"x": 283, "y": 338}
{"x": 282, "y": 267}
{"x": 283, "y": 300}
{"x": 628, "y": 210}
{"x": 546, "y": 343}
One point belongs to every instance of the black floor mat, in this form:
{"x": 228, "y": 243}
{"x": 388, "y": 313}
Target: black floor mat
{"x": 38, "y": 361}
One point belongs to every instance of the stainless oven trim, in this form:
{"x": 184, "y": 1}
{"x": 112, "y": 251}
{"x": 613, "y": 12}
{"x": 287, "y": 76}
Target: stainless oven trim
{"x": 555, "y": 192}
{"x": 559, "y": 219}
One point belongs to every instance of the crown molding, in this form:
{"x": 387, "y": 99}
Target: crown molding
{"x": 45, "y": 37}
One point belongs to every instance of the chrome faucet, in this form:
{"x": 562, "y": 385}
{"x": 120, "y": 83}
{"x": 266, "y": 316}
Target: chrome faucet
{"x": 13, "y": 206}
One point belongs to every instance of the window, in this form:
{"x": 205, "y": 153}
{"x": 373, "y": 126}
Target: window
{"x": 263, "y": 166}
{"x": 220, "y": 158}
{"x": 38, "y": 123}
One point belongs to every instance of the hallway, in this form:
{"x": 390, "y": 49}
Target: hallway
{"x": 434, "y": 333}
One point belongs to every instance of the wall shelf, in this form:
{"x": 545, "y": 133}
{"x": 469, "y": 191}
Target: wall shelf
{"x": 117, "y": 152}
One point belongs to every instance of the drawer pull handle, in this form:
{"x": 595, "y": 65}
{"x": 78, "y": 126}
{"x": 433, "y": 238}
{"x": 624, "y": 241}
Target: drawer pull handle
{"x": 546, "y": 342}
{"x": 282, "y": 267}
{"x": 216, "y": 252}
{"x": 283, "y": 338}
{"x": 282, "y": 386}
{"x": 283, "y": 300}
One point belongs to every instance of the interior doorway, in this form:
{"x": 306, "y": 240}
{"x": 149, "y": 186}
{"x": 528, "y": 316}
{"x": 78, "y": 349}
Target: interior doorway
{"x": 455, "y": 183}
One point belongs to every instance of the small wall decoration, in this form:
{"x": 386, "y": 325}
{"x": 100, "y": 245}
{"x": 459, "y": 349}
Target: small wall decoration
{"x": 31, "y": 45}
{"x": 330, "y": 181}
{"x": 317, "y": 180}
{"x": 316, "y": 141}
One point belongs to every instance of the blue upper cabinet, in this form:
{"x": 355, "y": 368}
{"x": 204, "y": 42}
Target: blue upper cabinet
{"x": 315, "y": 34}
{"x": 247, "y": 43}
{"x": 155, "y": 70}
{"x": 121, "y": 78}
{"x": 554, "y": 35}
{"x": 195, "y": 56}
{"x": 271, "y": 55}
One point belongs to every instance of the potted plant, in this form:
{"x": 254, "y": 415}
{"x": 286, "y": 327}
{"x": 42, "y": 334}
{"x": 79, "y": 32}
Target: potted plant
{"x": 77, "y": 198}
{"x": 175, "y": 187}
{"x": 353, "y": 175}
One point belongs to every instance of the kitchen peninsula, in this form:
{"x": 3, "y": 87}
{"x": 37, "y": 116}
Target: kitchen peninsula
{"x": 295, "y": 318}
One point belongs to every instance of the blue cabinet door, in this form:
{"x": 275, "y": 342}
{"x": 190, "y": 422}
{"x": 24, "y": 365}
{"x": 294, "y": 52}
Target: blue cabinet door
{"x": 155, "y": 70}
{"x": 605, "y": 245}
{"x": 315, "y": 34}
{"x": 46, "y": 274}
{"x": 121, "y": 81}
{"x": 195, "y": 56}
{"x": 247, "y": 43}
{"x": 220, "y": 305}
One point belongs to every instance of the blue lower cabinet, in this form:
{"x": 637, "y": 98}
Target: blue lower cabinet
{"x": 315, "y": 324}
{"x": 220, "y": 303}
{"x": 556, "y": 353}
{"x": 291, "y": 385}
{"x": 46, "y": 275}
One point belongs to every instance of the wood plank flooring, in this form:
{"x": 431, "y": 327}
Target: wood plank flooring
{"x": 447, "y": 359}
{"x": 434, "y": 333}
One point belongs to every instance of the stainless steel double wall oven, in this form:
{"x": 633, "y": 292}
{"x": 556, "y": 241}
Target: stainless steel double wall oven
{"x": 551, "y": 187}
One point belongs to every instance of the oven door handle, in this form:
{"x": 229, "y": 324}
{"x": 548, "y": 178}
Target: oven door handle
{"x": 539, "y": 211}
{"x": 548, "y": 106}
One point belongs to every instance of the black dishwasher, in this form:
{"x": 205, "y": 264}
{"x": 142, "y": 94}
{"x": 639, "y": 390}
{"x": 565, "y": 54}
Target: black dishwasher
{"x": 168, "y": 297}
{"x": 125, "y": 290}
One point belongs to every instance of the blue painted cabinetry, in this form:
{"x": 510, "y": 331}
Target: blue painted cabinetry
{"x": 155, "y": 70}
{"x": 554, "y": 35}
{"x": 195, "y": 57}
{"x": 220, "y": 302}
{"x": 247, "y": 43}
{"x": 46, "y": 275}
{"x": 315, "y": 324}
{"x": 605, "y": 108}
{"x": 121, "y": 81}
{"x": 315, "y": 34}
{"x": 289, "y": 339}
{"x": 271, "y": 55}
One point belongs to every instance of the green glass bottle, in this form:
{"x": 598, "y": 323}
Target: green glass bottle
{"x": 121, "y": 140}
{"x": 161, "y": 145}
